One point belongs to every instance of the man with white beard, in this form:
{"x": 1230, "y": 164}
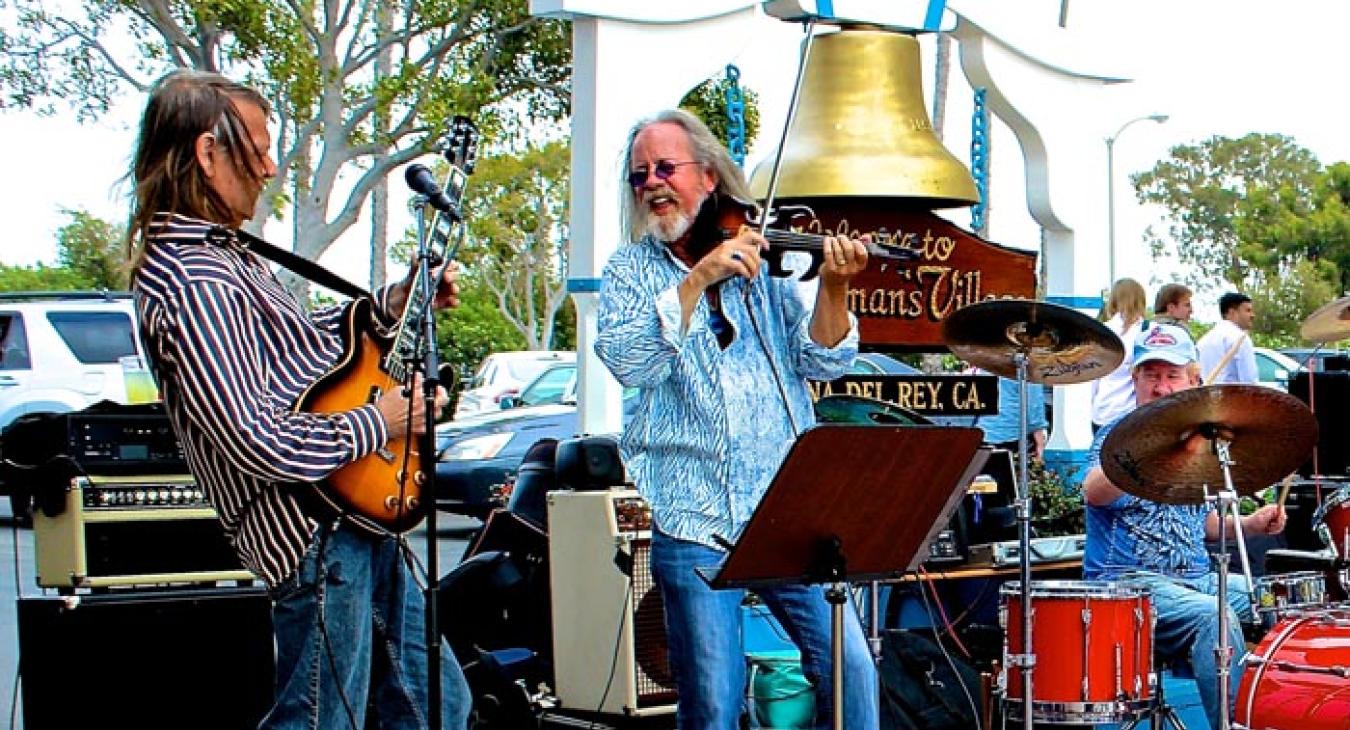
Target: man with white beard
{"x": 720, "y": 353}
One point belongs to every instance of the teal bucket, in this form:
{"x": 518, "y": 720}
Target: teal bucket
{"x": 781, "y": 698}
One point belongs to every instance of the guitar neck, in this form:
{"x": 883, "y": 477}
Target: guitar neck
{"x": 440, "y": 236}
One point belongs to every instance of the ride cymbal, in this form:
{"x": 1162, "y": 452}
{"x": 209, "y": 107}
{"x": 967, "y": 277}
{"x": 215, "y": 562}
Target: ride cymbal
{"x": 1063, "y": 346}
{"x": 1164, "y": 451}
{"x": 1329, "y": 323}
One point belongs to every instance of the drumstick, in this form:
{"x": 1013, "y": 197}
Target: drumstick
{"x": 1284, "y": 491}
{"x": 1227, "y": 356}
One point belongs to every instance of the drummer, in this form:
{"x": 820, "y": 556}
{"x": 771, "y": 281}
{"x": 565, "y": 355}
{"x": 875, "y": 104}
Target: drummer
{"x": 1161, "y": 545}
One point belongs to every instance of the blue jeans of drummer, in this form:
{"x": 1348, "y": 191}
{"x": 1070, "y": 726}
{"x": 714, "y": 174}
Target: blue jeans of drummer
{"x": 707, "y": 657}
{"x": 350, "y": 628}
{"x": 1188, "y": 629}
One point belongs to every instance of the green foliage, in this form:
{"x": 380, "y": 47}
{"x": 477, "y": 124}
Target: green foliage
{"x": 1203, "y": 189}
{"x": 1057, "y": 507}
{"x": 708, "y": 102}
{"x": 92, "y": 249}
{"x": 467, "y": 333}
{"x": 1282, "y": 302}
{"x": 40, "y": 278}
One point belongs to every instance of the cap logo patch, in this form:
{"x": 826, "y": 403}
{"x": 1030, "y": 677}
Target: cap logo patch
{"x": 1159, "y": 338}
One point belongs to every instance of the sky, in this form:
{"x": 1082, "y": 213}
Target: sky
{"x": 1215, "y": 67}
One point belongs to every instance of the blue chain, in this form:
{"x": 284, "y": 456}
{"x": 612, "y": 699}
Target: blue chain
{"x": 735, "y": 115}
{"x": 979, "y": 162}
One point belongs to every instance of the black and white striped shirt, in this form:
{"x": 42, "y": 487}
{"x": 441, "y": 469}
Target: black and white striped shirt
{"x": 233, "y": 351}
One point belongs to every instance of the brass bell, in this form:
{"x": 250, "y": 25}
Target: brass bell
{"x": 862, "y": 129}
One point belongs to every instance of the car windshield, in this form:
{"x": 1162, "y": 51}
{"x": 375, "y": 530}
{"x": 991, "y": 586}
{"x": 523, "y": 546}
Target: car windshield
{"x": 549, "y": 387}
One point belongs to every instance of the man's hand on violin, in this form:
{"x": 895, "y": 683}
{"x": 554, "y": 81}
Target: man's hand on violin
{"x": 844, "y": 258}
{"x": 739, "y": 256}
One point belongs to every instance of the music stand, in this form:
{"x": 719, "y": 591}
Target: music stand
{"x": 853, "y": 503}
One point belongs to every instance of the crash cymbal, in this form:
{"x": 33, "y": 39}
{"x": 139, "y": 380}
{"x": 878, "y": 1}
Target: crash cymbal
{"x": 1163, "y": 451}
{"x": 1328, "y": 324}
{"x": 1063, "y": 346}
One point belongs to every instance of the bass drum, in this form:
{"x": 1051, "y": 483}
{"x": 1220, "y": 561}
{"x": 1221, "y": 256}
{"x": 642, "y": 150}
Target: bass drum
{"x": 1298, "y": 677}
{"x": 857, "y": 410}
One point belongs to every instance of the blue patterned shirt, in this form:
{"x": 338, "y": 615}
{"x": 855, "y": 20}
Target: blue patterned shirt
{"x": 1132, "y": 535}
{"x": 710, "y": 429}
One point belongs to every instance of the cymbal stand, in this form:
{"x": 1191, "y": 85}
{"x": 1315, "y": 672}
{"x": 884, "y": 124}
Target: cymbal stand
{"x": 1026, "y": 660}
{"x": 1226, "y": 502}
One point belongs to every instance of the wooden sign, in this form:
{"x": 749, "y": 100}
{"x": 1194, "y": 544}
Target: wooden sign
{"x": 926, "y": 395}
{"x": 902, "y": 306}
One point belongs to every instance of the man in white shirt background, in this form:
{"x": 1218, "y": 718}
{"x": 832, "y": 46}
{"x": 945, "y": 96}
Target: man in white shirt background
{"x": 1231, "y": 334}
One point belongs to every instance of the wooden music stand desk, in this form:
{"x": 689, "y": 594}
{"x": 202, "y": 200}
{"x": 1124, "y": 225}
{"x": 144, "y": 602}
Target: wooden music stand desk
{"x": 853, "y": 503}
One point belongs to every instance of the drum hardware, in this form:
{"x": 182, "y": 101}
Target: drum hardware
{"x": 1032, "y": 342}
{"x": 1162, "y": 452}
{"x": 1279, "y": 594}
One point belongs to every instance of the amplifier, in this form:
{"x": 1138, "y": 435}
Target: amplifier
{"x": 187, "y": 657}
{"x": 1043, "y": 550}
{"x": 105, "y": 438}
{"x": 609, "y": 639}
{"x": 133, "y": 530}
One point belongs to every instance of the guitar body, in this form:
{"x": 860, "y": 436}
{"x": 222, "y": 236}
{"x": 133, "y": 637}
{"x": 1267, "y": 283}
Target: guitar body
{"x": 381, "y": 491}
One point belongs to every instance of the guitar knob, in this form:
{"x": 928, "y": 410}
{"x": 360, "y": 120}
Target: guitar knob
{"x": 399, "y": 475}
{"x": 412, "y": 503}
{"x": 391, "y": 502}
{"x": 420, "y": 479}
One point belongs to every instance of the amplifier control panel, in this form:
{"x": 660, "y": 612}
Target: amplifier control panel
{"x": 123, "y": 496}
{"x": 141, "y": 444}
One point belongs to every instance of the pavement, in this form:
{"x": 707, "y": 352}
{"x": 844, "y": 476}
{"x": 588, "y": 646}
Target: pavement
{"x": 18, "y": 579}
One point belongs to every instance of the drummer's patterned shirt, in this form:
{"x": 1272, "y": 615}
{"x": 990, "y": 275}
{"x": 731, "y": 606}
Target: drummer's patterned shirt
{"x": 1133, "y": 535}
{"x": 710, "y": 428}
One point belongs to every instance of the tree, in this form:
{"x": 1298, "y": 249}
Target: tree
{"x": 1202, "y": 189}
{"x": 341, "y": 127}
{"x": 708, "y": 102}
{"x": 39, "y": 278}
{"x": 1283, "y": 302}
{"x": 91, "y": 248}
{"x": 517, "y": 212}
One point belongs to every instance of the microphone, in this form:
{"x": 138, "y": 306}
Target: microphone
{"x": 423, "y": 182}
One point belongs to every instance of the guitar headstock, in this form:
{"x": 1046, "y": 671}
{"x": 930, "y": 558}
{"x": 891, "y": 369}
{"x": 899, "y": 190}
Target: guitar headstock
{"x": 461, "y": 149}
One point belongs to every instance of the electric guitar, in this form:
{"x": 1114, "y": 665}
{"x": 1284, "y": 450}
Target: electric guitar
{"x": 383, "y": 491}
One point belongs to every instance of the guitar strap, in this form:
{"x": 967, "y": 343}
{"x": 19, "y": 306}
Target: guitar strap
{"x": 302, "y": 266}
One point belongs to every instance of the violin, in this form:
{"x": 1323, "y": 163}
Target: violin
{"x": 722, "y": 216}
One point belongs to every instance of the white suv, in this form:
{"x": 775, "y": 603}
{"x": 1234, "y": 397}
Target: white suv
{"x": 63, "y": 351}
{"x": 505, "y": 373}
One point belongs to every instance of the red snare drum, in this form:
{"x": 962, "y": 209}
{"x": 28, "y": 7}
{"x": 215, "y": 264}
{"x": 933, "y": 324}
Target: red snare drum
{"x": 1093, "y": 642}
{"x": 1298, "y": 678}
{"x": 1332, "y": 522}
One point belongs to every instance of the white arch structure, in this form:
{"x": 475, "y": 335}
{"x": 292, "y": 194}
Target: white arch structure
{"x": 1054, "y": 114}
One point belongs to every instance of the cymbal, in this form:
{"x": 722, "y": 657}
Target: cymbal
{"x": 1063, "y": 346}
{"x": 1163, "y": 450}
{"x": 1329, "y": 323}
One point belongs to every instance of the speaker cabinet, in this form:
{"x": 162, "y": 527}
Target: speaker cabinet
{"x": 609, "y": 640}
{"x": 1329, "y": 397}
{"x": 199, "y": 658}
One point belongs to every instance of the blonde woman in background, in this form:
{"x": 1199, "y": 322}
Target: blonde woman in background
{"x": 1113, "y": 395}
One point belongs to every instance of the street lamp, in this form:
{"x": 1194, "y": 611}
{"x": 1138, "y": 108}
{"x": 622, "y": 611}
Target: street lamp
{"x": 1111, "y": 194}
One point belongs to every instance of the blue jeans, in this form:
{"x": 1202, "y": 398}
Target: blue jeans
{"x": 1188, "y": 629}
{"x": 350, "y": 627}
{"x": 706, "y": 656}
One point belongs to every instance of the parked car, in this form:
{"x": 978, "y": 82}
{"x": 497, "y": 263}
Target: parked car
{"x": 502, "y": 374}
{"x": 1274, "y": 368}
{"x": 557, "y": 384}
{"x": 1316, "y": 359}
{"x": 64, "y": 351}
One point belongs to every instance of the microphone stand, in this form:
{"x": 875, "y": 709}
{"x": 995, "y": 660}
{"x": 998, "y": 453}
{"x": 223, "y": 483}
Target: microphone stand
{"x": 426, "y": 452}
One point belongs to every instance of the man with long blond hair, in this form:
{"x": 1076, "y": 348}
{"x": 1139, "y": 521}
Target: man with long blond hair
{"x": 233, "y": 351}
